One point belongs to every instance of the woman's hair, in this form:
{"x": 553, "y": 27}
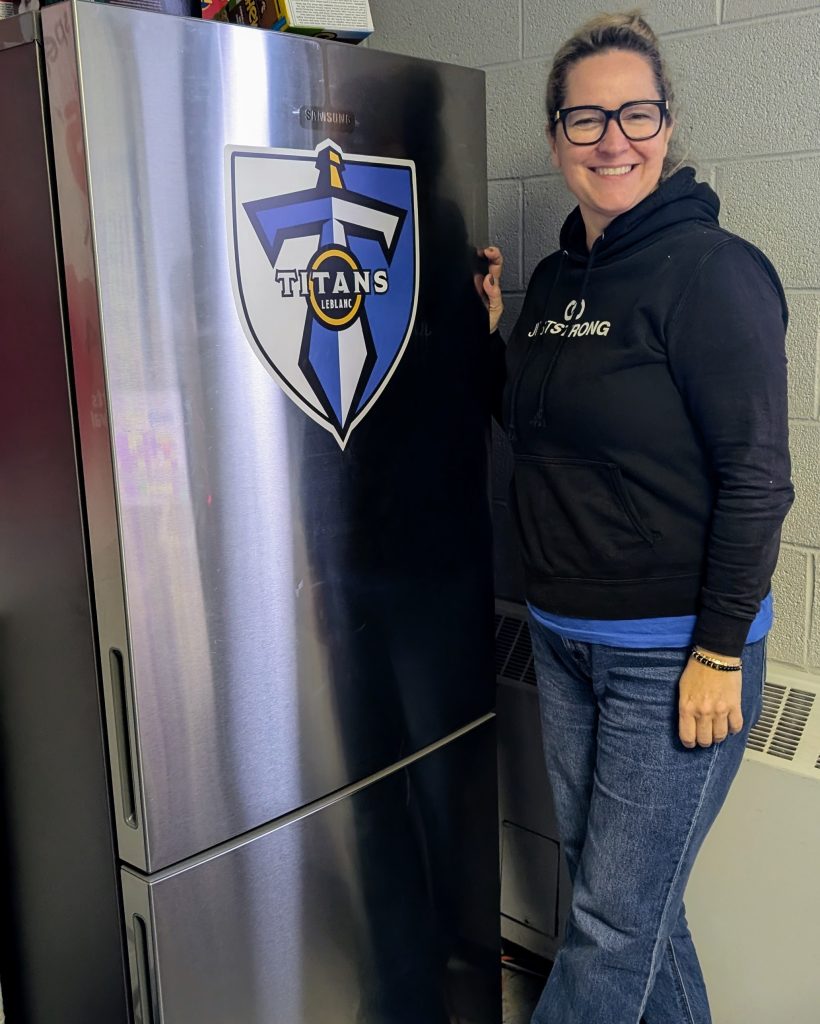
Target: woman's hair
{"x": 625, "y": 31}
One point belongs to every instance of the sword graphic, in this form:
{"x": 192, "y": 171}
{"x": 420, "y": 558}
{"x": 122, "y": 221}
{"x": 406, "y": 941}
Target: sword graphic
{"x": 336, "y": 357}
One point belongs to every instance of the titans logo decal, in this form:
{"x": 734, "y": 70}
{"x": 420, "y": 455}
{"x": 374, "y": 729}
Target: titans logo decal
{"x": 324, "y": 256}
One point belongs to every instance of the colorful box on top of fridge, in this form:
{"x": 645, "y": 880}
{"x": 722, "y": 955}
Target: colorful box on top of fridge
{"x": 237, "y": 12}
{"x": 215, "y": 10}
{"x": 346, "y": 20}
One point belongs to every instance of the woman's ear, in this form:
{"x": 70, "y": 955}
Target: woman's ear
{"x": 668, "y": 132}
{"x": 555, "y": 160}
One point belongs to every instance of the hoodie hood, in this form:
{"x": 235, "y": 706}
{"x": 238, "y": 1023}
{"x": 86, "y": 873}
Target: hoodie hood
{"x": 677, "y": 199}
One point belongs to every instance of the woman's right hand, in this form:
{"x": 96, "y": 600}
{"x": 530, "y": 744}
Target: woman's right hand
{"x": 491, "y": 285}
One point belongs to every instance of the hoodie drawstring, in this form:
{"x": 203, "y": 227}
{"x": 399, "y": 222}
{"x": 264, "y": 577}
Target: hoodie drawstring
{"x": 590, "y": 261}
{"x": 512, "y": 433}
{"x": 538, "y": 419}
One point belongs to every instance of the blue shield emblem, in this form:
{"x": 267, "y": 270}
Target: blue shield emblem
{"x": 324, "y": 258}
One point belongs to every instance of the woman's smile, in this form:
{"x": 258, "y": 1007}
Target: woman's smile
{"x": 613, "y": 171}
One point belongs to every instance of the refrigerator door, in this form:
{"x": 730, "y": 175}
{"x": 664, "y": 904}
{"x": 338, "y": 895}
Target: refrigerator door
{"x": 286, "y": 603}
{"x": 59, "y": 878}
{"x": 380, "y": 907}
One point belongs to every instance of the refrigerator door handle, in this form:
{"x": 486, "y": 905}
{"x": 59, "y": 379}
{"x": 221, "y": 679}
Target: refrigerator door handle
{"x": 146, "y": 1004}
{"x": 142, "y": 990}
{"x": 124, "y": 752}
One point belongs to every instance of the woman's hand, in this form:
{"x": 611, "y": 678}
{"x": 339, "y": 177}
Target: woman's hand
{"x": 490, "y": 287}
{"x": 709, "y": 704}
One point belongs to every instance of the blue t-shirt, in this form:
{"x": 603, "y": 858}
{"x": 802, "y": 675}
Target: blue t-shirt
{"x": 668, "y": 631}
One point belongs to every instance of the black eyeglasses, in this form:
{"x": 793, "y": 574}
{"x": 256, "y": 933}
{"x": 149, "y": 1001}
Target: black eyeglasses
{"x": 639, "y": 120}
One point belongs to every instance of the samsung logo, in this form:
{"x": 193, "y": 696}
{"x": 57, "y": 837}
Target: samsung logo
{"x": 320, "y": 117}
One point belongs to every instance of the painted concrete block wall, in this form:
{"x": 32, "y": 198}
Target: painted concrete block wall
{"x": 747, "y": 75}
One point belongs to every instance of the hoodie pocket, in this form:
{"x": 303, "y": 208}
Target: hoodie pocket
{"x": 577, "y": 519}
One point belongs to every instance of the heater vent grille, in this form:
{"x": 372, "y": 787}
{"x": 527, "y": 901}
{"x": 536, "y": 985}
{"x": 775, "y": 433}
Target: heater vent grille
{"x": 506, "y": 633}
{"x": 773, "y": 696}
{"x": 782, "y": 722}
{"x": 513, "y": 649}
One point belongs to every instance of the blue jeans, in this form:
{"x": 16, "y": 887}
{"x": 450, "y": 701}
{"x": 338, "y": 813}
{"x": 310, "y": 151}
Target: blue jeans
{"x": 633, "y": 807}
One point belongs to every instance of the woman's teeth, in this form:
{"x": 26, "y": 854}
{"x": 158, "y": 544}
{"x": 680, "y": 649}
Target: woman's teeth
{"x": 614, "y": 170}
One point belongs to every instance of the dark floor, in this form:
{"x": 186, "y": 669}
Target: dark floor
{"x": 520, "y": 992}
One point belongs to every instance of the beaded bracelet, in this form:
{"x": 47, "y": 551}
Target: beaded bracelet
{"x": 719, "y": 666}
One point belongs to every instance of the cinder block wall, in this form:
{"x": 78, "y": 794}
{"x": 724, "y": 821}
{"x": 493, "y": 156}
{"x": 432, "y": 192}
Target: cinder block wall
{"x": 747, "y": 75}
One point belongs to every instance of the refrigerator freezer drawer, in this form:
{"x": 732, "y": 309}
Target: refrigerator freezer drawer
{"x": 378, "y": 907}
{"x": 280, "y": 614}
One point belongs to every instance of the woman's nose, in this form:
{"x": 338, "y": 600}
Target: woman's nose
{"x": 613, "y": 139}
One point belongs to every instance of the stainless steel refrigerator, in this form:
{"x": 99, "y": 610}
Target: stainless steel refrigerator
{"x": 246, "y": 608}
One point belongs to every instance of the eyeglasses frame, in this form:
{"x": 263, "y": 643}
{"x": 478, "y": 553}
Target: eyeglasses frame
{"x": 561, "y": 115}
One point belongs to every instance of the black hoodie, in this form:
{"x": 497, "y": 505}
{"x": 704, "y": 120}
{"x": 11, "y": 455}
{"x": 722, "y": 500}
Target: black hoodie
{"x": 646, "y": 405}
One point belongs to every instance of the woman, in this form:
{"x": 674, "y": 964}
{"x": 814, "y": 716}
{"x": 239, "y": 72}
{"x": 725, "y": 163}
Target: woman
{"x": 645, "y": 400}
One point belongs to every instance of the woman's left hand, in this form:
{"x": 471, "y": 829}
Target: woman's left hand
{"x": 709, "y": 704}
{"x": 489, "y": 286}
